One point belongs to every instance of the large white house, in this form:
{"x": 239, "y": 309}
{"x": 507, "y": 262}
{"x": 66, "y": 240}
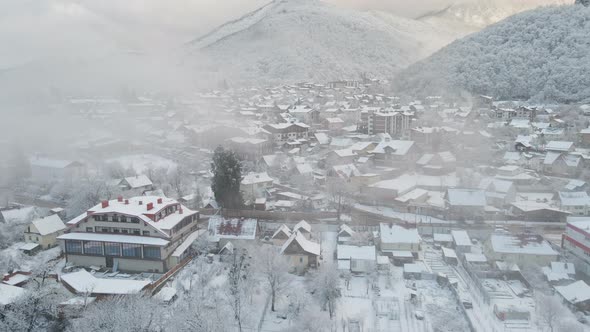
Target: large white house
{"x": 576, "y": 241}
{"x": 139, "y": 234}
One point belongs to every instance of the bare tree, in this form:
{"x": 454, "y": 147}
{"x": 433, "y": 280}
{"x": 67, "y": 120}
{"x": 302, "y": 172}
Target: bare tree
{"x": 238, "y": 273}
{"x": 274, "y": 269}
{"x": 550, "y": 311}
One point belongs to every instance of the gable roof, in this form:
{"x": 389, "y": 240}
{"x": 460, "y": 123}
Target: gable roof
{"x": 302, "y": 225}
{"x": 574, "y": 198}
{"x": 397, "y": 147}
{"x": 283, "y": 229}
{"x": 305, "y": 244}
{"x": 345, "y": 229}
{"x": 137, "y": 181}
{"x": 574, "y": 293}
{"x": 466, "y": 197}
{"x": 49, "y": 224}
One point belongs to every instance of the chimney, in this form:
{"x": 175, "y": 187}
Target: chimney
{"x": 126, "y": 201}
{"x": 160, "y": 200}
{"x": 105, "y": 204}
{"x": 150, "y": 206}
{"x": 140, "y": 203}
{"x": 120, "y": 199}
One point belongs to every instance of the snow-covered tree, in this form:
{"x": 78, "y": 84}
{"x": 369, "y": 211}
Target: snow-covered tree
{"x": 274, "y": 270}
{"x": 239, "y": 272}
{"x": 325, "y": 284}
{"x": 227, "y": 175}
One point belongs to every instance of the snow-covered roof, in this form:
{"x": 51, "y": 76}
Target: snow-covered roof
{"x": 28, "y": 246}
{"x": 137, "y": 181}
{"x": 448, "y": 252}
{"x": 9, "y": 294}
{"x": 49, "y": 224}
{"x": 322, "y": 138}
{"x": 561, "y": 146}
{"x": 84, "y": 282}
{"x": 253, "y": 178}
{"x": 407, "y": 182}
{"x": 283, "y": 229}
{"x": 475, "y": 258}
{"x": 526, "y": 244}
{"x": 574, "y": 293}
{"x": 461, "y": 238}
{"x": 345, "y": 229}
{"x": 579, "y": 198}
{"x": 442, "y": 237}
{"x": 396, "y": 147}
{"x": 302, "y": 226}
{"x": 466, "y": 197}
{"x": 495, "y": 185}
{"x": 305, "y": 244}
{"x": 398, "y": 234}
{"x": 563, "y": 267}
{"x": 356, "y": 252}
{"x": 132, "y": 207}
{"x": 118, "y": 238}
{"x": 417, "y": 267}
{"x": 220, "y": 228}
{"x": 188, "y": 241}
{"x": 346, "y": 171}
{"x": 304, "y": 168}
{"x": 166, "y": 294}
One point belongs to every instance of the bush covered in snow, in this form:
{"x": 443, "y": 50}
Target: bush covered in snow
{"x": 540, "y": 55}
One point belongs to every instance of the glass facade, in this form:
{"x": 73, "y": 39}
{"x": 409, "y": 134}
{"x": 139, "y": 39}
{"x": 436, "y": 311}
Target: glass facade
{"x": 131, "y": 250}
{"x": 151, "y": 252}
{"x": 112, "y": 249}
{"x": 92, "y": 248}
{"x": 73, "y": 247}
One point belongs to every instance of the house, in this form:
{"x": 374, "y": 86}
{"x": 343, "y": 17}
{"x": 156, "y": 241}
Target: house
{"x": 395, "y": 153}
{"x": 333, "y": 124}
{"x": 305, "y": 114}
{"x": 44, "y": 231}
{"x": 139, "y": 234}
{"x": 559, "y": 273}
{"x": 281, "y": 235}
{"x": 461, "y": 241}
{"x": 576, "y": 295}
{"x": 304, "y": 228}
{"x": 340, "y": 157}
{"x": 356, "y": 259}
{"x": 250, "y": 148}
{"x": 562, "y": 164}
{"x": 585, "y": 136}
{"x": 301, "y": 252}
{"x": 560, "y": 146}
{"x": 443, "y": 240}
{"x": 255, "y": 185}
{"x": 285, "y": 132}
{"x": 465, "y": 203}
{"x": 576, "y": 240}
{"x": 499, "y": 193}
{"x": 345, "y": 234}
{"x": 520, "y": 249}
{"x": 437, "y": 163}
{"x": 138, "y": 183}
{"x": 416, "y": 271}
{"x": 45, "y": 169}
{"x": 397, "y": 238}
{"x": 450, "y": 256}
{"x": 577, "y": 203}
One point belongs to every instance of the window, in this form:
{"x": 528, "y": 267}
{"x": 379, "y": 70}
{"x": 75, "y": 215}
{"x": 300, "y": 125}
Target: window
{"x": 151, "y": 252}
{"x": 89, "y": 229}
{"x": 104, "y": 229}
{"x": 73, "y": 247}
{"x": 131, "y": 250}
{"x": 135, "y": 220}
{"x": 123, "y": 219}
{"x": 92, "y": 248}
{"x": 115, "y": 230}
{"x": 115, "y": 218}
{"x": 112, "y": 249}
{"x": 136, "y": 232}
{"x": 146, "y": 233}
{"x": 124, "y": 231}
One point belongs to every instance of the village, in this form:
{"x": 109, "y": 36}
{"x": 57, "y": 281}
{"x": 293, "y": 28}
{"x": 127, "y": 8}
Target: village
{"x": 362, "y": 211}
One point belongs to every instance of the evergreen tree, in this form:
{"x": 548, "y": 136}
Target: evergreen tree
{"x": 227, "y": 175}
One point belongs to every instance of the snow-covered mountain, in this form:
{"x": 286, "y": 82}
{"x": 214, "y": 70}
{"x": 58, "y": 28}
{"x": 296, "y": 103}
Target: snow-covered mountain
{"x": 542, "y": 54}
{"x": 289, "y": 40}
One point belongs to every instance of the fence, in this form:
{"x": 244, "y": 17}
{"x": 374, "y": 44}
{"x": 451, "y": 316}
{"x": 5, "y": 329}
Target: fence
{"x": 271, "y": 215}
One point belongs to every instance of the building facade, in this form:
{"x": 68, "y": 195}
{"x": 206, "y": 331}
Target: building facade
{"x": 139, "y": 234}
